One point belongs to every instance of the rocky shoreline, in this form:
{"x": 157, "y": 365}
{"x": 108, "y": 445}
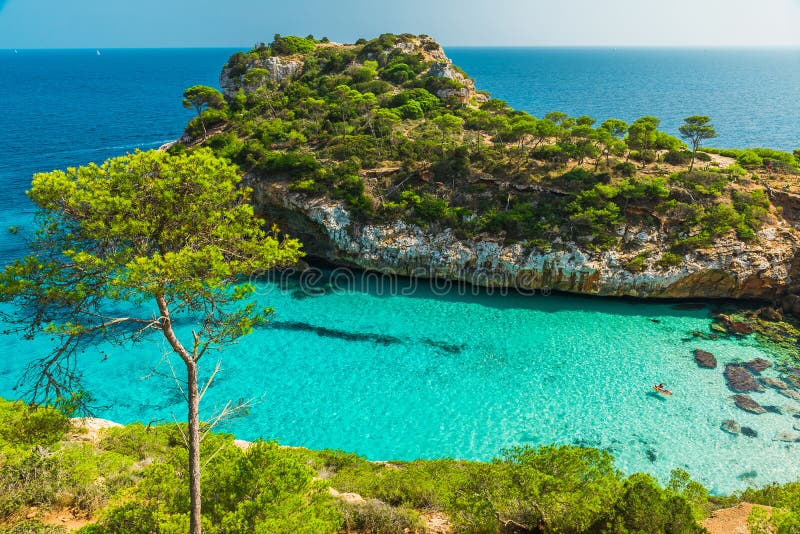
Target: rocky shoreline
{"x": 764, "y": 270}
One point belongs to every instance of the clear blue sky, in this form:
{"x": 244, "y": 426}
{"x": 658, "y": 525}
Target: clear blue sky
{"x": 241, "y": 23}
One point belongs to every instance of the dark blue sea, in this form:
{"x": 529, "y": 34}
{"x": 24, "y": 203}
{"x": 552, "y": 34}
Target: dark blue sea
{"x": 401, "y": 375}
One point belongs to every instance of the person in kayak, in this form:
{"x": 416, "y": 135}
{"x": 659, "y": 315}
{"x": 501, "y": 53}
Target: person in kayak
{"x": 661, "y": 389}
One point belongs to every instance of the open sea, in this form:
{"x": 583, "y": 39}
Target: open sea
{"x": 416, "y": 373}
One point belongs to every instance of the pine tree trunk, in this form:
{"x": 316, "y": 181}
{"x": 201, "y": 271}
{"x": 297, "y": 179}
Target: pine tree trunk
{"x": 193, "y": 402}
{"x": 195, "y": 525}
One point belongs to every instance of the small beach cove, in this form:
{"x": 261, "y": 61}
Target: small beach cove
{"x": 395, "y": 371}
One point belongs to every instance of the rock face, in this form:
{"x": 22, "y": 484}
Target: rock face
{"x": 277, "y": 69}
{"x": 740, "y": 380}
{"x": 730, "y": 270}
{"x": 705, "y": 359}
{"x": 748, "y": 404}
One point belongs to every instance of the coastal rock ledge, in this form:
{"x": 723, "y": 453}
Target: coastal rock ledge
{"x": 764, "y": 269}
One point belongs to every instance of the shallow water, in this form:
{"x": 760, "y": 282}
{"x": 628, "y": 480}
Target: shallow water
{"x": 430, "y": 375}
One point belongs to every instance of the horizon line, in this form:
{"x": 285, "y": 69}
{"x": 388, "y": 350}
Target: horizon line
{"x": 504, "y": 46}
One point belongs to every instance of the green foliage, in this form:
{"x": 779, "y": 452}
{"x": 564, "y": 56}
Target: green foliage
{"x": 707, "y": 183}
{"x": 291, "y": 44}
{"x": 670, "y": 259}
{"x": 749, "y": 158}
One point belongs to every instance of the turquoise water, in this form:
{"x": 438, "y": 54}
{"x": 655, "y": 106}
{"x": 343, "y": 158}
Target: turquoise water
{"x": 421, "y": 374}
{"x": 429, "y": 375}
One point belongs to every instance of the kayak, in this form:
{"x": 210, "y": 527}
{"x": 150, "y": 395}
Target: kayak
{"x": 662, "y": 390}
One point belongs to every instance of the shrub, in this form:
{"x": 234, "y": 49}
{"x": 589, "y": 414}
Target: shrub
{"x": 291, "y": 44}
{"x": 636, "y": 264}
{"x": 670, "y": 259}
{"x": 748, "y": 158}
{"x": 626, "y": 169}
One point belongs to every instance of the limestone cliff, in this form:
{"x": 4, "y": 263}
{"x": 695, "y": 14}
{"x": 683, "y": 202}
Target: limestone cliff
{"x": 765, "y": 269}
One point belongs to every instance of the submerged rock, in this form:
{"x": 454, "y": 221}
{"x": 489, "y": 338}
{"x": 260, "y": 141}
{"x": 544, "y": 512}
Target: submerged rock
{"x": 730, "y": 426}
{"x": 773, "y": 409}
{"x": 794, "y": 379}
{"x": 749, "y": 432}
{"x": 740, "y": 380}
{"x": 705, "y": 359}
{"x": 758, "y": 365}
{"x": 792, "y": 394}
{"x": 748, "y": 404}
{"x": 787, "y": 436}
{"x": 770, "y": 314}
{"x": 773, "y": 382}
{"x": 796, "y": 426}
{"x": 791, "y": 409}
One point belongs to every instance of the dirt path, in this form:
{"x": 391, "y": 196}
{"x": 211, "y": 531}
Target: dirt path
{"x": 731, "y": 520}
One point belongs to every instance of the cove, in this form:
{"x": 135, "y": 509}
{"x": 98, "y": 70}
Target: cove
{"x": 406, "y": 369}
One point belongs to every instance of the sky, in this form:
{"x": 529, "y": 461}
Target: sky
{"x": 242, "y": 23}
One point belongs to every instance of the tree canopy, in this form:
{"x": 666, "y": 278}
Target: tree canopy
{"x": 158, "y": 235}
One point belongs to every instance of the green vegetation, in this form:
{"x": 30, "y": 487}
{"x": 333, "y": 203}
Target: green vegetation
{"x": 391, "y": 131}
{"x": 133, "y": 480}
{"x": 172, "y": 231}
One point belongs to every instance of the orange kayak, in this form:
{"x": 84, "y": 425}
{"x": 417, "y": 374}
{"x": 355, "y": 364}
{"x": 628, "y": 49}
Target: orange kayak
{"x": 662, "y": 390}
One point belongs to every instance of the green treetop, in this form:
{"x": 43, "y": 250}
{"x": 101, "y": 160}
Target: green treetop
{"x": 172, "y": 234}
{"x": 695, "y": 129}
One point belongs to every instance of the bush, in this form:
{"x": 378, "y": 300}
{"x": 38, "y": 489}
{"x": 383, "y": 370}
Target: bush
{"x": 670, "y": 259}
{"x": 748, "y": 158}
{"x": 291, "y": 44}
{"x": 675, "y": 157}
{"x": 625, "y": 169}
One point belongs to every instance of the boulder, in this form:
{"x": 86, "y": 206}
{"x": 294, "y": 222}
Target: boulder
{"x": 773, "y": 382}
{"x": 792, "y": 394}
{"x": 770, "y": 314}
{"x": 730, "y": 426}
{"x": 740, "y": 380}
{"x": 796, "y": 426}
{"x": 790, "y": 409}
{"x": 748, "y": 404}
{"x": 705, "y": 359}
{"x": 794, "y": 379}
{"x": 749, "y": 432}
{"x": 758, "y": 365}
{"x": 787, "y": 436}
{"x": 732, "y": 325}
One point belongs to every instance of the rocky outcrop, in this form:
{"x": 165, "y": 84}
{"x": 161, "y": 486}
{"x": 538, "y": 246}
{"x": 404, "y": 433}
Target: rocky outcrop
{"x": 748, "y": 404}
{"x": 275, "y": 69}
{"x": 740, "y": 380}
{"x": 731, "y": 269}
{"x": 705, "y": 359}
{"x": 758, "y": 365}
{"x": 773, "y": 382}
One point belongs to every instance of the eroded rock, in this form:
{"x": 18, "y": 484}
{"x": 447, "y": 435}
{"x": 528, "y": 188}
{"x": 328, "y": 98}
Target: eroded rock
{"x": 773, "y": 382}
{"x": 748, "y": 404}
{"x": 730, "y": 426}
{"x": 792, "y": 394}
{"x": 787, "y": 436}
{"x": 758, "y": 365}
{"x": 740, "y": 380}
{"x": 705, "y": 359}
